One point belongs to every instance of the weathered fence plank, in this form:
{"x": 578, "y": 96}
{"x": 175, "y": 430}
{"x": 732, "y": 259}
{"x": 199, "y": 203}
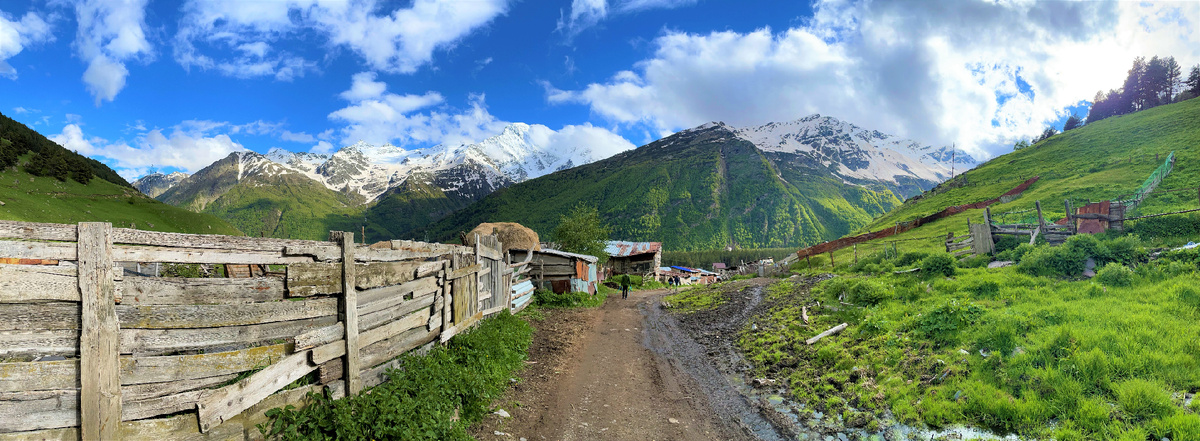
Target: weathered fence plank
{"x": 22, "y": 411}
{"x": 381, "y": 298}
{"x": 37, "y": 231}
{"x": 39, "y": 375}
{"x": 325, "y": 278}
{"x": 149, "y": 341}
{"x": 166, "y": 368}
{"x": 320, "y": 336}
{"x": 391, "y": 348}
{"x": 185, "y": 291}
{"x": 139, "y": 253}
{"x": 214, "y": 316}
{"x": 45, "y": 316}
{"x": 100, "y": 383}
{"x": 208, "y": 241}
{"x": 37, "y": 342}
{"x": 227, "y": 402}
{"x": 23, "y": 283}
{"x": 137, "y": 392}
{"x": 38, "y": 250}
{"x": 374, "y": 319}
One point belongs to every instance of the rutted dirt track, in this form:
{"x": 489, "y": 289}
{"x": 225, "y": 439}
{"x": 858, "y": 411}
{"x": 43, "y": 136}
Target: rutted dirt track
{"x": 626, "y": 371}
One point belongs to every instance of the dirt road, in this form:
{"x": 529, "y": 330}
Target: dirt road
{"x": 599, "y": 374}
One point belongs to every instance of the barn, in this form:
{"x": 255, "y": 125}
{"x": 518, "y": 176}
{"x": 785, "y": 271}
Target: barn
{"x": 559, "y": 271}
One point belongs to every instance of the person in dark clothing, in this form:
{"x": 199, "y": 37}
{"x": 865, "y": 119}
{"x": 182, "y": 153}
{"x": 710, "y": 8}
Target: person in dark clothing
{"x": 624, "y": 286}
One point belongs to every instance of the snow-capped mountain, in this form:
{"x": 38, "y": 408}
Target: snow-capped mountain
{"x": 155, "y": 184}
{"x": 518, "y": 153}
{"x": 857, "y": 154}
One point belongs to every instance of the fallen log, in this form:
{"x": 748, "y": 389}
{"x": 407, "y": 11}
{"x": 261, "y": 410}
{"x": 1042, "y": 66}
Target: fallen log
{"x": 830, "y": 331}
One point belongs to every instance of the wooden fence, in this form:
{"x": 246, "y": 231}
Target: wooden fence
{"x": 88, "y": 352}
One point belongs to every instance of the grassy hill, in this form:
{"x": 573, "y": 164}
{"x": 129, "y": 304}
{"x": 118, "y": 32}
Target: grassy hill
{"x": 1100, "y": 161}
{"x": 698, "y": 189}
{"x": 46, "y": 199}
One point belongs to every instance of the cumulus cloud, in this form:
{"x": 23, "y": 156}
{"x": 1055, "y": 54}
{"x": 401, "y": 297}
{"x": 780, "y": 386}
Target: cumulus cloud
{"x": 587, "y": 13}
{"x": 981, "y": 74}
{"x": 377, "y": 116}
{"x": 16, "y": 35}
{"x": 110, "y": 33}
{"x": 189, "y": 146}
{"x": 399, "y": 41}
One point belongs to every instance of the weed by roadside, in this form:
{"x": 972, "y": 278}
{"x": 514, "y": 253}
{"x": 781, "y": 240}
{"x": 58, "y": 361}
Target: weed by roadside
{"x": 420, "y": 400}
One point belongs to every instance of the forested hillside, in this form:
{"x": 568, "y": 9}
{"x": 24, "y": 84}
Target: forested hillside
{"x": 699, "y": 189}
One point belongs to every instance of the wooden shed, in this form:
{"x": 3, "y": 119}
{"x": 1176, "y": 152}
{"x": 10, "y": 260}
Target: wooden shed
{"x": 560, "y": 271}
{"x": 634, "y": 258}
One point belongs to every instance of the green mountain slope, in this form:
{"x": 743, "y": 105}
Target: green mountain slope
{"x": 412, "y": 205}
{"x": 69, "y": 188}
{"x": 264, "y": 199}
{"x": 1100, "y": 161}
{"x": 697, "y": 189}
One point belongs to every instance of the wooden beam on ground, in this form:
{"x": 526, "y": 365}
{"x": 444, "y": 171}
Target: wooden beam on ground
{"x": 830, "y": 331}
{"x": 99, "y": 350}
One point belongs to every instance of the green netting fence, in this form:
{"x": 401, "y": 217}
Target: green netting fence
{"x": 1149, "y": 185}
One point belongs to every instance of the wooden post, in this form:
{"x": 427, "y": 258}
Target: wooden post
{"x": 1070, "y": 222}
{"x": 895, "y": 252}
{"x": 352, "y": 363}
{"x": 1041, "y": 220}
{"x": 807, "y": 257}
{"x": 99, "y": 349}
{"x": 447, "y": 299}
{"x": 831, "y": 264}
{"x": 475, "y": 305}
{"x": 987, "y": 217}
{"x": 856, "y": 254}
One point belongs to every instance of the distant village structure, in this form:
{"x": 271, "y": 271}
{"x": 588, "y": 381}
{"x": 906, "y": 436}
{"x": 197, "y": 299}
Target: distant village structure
{"x": 633, "y": 258}
{"x": 559, "y": 271}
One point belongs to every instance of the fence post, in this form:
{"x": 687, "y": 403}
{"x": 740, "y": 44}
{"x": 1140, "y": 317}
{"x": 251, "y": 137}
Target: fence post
{"x": 477, "y": 278}
{"x": 99, "y": 350}
{"x": 831, "y": 264}
{"x": 1041, "y": 220}
{"x": 349, "y": 312}
{"x": 447, "y": 298}
{"x": 856, "y": 254}
{"x": 1070, "y": 222}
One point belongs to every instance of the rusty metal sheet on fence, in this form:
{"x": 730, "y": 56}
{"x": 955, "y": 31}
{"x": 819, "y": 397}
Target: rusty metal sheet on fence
{"x": 1093, "y": 226}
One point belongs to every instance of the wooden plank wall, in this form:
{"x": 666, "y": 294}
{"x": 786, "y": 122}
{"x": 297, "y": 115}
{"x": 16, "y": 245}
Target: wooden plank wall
{"x": 86, "y": 352}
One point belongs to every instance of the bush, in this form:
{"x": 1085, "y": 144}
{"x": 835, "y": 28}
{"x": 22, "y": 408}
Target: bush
{"x": 1167, "y": 226}
{"x": 911, "y": 257}
{"x": 1006, "y": 242}
{"x": 938, "y": 264}
{"x": 1115, "y": 274}
{"x": 1187, "y": 295}
{"x": 1015, "y": 254}
{"x": 1126, "y": 249}
{"x": 979, "y": 261}
{"x": 866, "y": 292}
{"x": 943, "y": 323}
{"x": 1053, "y": 261}
{"x": 1142, "y": 400}
{"x": 550, "y": 299}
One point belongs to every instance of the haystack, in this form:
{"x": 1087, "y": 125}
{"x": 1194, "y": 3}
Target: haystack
{"x": 512, "y": 235}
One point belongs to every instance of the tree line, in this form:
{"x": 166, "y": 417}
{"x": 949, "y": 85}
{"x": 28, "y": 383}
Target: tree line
{"x": 1149, "y": 84}
{"x": 48, "y": 159}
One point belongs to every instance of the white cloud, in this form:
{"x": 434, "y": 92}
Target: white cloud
{"x": 587, "y": 13}
{"x": 377, "y": 116}
{"x": 297, "y": 137}
{"x": 927, "y": 70}
{"x": 22, "y": 110}
{"x": 110, "y": 33}
{"x": 398, "y": 42}
{"x": 189, "y": 147}
{"x": 16, "y": 35}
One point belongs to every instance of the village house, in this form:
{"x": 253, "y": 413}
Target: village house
{"x": 633, "y": 258}
{"x": 560, "y": 271}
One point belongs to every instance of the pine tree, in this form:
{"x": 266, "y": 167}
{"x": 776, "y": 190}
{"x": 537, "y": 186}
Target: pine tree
{"x": 1072, "y": 123}
{"x": 1193, "y": 81}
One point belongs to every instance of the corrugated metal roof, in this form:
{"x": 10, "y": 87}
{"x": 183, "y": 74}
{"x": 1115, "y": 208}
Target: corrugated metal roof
{"x": 719, "y": 265}
{"x": 621, "y": 248}
{"x": 584, "y": 257}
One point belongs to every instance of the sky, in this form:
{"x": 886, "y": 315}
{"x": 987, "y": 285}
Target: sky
{"x": 153, "y": 85}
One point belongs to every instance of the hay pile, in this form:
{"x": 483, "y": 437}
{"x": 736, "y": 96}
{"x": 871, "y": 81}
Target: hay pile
{"x": 512, "y": 235}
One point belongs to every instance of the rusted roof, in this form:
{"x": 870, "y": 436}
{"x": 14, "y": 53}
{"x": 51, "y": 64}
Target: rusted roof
{"x": 719, "y": 265}
{"x": 621, "y": 248}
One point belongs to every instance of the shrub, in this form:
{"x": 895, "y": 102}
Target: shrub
{"x": 1088, "y": 245}
{"x": 943, "y": 323}
{"x": 1167, "y": 226}
{"x": 866, "y": 292}
{"x": 979, "y": 261}
{"x": 1187, "y": 295}
{"x": 911, "y": 257}
{"x": 1115, "y": 274}
{"x": 1126, "y": 249}
{"x": 1000, "y": 337}
{"x": 938, "y": 264}
{"x": 1005, "y": 243}
{"x": 1053, "y": 261}
{"x": 419, "y": 402}
{"x": 550, "y": 299}
{"x": 1142, "y": 400}
{"x": 1015, "y": 254}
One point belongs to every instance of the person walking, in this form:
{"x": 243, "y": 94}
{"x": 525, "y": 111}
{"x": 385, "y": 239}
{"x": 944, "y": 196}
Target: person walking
{"x": 625, "y": 286}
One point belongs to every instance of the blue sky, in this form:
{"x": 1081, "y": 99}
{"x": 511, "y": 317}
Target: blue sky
{"x": 173, "y": 85}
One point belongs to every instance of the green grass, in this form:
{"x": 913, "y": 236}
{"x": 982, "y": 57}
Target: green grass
{"x": 45, "y": 199}
{"x": 549, "y": 299}
{"x": 1100, "y": 161}
{"x": 1004, "y": 349}
{"x": 420, "y": 400}
{"x": 697, "y": 298}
